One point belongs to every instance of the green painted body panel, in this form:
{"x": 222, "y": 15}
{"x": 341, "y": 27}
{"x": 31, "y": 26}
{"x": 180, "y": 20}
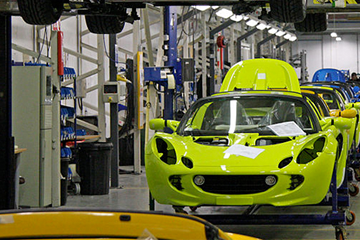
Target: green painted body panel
{"x": 211, "y": 160}
{"x": 261, "y": 74}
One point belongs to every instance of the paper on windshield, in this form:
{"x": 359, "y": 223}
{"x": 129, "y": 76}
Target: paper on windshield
{"x": 286, "y": 129}
{"x": 241, "y": 150}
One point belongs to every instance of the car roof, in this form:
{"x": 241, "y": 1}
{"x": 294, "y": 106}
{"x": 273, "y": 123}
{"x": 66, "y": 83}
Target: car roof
{"x": 258, "y": 92}
{"x": 261, "y": 74}
{"x": 328, "y": 75}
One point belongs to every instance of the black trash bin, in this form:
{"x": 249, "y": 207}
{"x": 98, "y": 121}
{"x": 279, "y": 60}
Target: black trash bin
{"x": 94, "y": 167}
{"x": 64, "y": 180}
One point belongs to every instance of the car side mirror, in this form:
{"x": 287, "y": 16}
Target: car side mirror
{"x": 342, "y": 123}
{"x": 347, "y": 113}
{"x": 160, "y": 124}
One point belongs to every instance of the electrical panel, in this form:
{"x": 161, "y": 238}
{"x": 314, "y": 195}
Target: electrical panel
{"x": 32, "y": 95}
{"x": 188, "y": 69}
{"x": 111, "y": 92}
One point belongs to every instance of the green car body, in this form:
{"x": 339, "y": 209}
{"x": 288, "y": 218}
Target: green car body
{"x": 192, "y": 166}
{"x": 337, "y": 104}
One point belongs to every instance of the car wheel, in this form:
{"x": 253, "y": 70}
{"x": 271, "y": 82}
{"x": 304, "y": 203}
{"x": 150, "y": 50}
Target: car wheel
{"x": 289, "y": 11}
{"x": 40, "y": 12}
{"x": 314, "y": 22}
{"x": 104, "y": 24}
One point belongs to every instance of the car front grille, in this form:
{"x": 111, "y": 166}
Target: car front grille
{"x": 235, "y": 184}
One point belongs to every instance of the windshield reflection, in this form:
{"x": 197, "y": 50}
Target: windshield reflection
{"x": 245, "y": 114}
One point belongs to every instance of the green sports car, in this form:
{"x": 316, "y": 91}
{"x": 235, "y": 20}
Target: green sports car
{"x": 247, "y": 147}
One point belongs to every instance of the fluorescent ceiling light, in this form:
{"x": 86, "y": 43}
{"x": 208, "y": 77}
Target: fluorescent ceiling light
{"x": 246, "y": 18}
{"x": 236, "y": 18}
{"x": 293, "y": 38}
{"x": 252, "y": 22}
{"x": 272, "y": 30}
{"x": 262, "y": 26}
{"x": 333, "y": 34}
{"x": 338, "y": 39}
{"x": 224, "y": 13}
{"x": 287, "y": 36}
{"x": 202, "y": 7}
{"x": 214, "y": 7}
{"x": 280, "y": 33}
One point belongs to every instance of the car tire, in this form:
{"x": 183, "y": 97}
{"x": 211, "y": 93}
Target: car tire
{"x": 288, "y": 11}
{"x": 315, "y": 22}
{"x": 104, "y": 24}
{"x": 40, "y": 12}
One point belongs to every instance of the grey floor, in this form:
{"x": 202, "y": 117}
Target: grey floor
{"x": 134, "y": 195}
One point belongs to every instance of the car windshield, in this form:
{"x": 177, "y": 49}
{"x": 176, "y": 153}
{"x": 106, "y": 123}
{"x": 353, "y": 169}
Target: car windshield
{"x": 245, "y": 114}
{"x": 320, "y": 104}
{"x": 331, "y": 98}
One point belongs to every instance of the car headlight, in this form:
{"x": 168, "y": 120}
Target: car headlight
{"x": 285, "y": 162}
{"x": 187, "y": 162}
{"x": 166, "y": 151}
{"x": 311, "y": 150}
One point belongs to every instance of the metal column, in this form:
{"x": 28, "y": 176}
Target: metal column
{"x": 203, "y": 57}
{"x": 137, "y": 133}
{"x": 114, "y": 131}
{"x": 212, "y": 53}
{"x": 101, "y": 80}
{"x": 7, "y": 164}
{"x": 170, "y": 30}
{"x": 56, "y": 149}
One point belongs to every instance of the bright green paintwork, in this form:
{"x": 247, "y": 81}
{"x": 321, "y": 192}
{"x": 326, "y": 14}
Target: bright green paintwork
{"x": 261, "y": 74}
{"x": 208, "y": 159}
{"x": 354, "y": 131}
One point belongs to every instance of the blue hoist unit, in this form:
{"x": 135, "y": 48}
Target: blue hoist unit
{"x": 172, "y": 75}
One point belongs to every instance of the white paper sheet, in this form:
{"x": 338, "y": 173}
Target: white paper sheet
{"x": 245, "y": 151}
{"x": 286, "y": 129}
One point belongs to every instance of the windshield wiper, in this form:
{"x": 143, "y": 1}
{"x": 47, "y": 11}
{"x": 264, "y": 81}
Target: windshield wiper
{"x": 193, "y": 132}
{"x": 254, "y": 127}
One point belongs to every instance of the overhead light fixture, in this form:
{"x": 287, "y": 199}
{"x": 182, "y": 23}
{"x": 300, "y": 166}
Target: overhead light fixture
{"x": 214, "y": 7}
{"x": 280, "y": 33}
{"x": 293, "y": 38}
{"x": 261, "y": 26}
{"x": 287, "y": 36}
{"x": 202, "y": 7}
{"x": 246, "y": 18}
{"x": 272, "y": 30}
{"x": 252, "y": 22}
{"x": 224, "y": 13}
{"x": 338, "y": 39}
{"x": 237, "y": 18}
{"x": 333, "y": 34}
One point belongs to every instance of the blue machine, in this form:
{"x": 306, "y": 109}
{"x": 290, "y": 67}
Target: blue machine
{"x": 159, "y": 75}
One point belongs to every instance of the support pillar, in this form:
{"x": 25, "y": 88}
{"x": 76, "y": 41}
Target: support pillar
{"x": 7, "y": 161}
{"x": 170, "y": 30}
{"x": 101, "y": 80}
{"x": 114, "y": 117}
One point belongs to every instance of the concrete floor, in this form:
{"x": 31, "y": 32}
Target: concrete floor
{"x": 134, "y": 195}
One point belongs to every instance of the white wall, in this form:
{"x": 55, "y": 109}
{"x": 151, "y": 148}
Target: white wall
{"x": 324, "y": 52}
